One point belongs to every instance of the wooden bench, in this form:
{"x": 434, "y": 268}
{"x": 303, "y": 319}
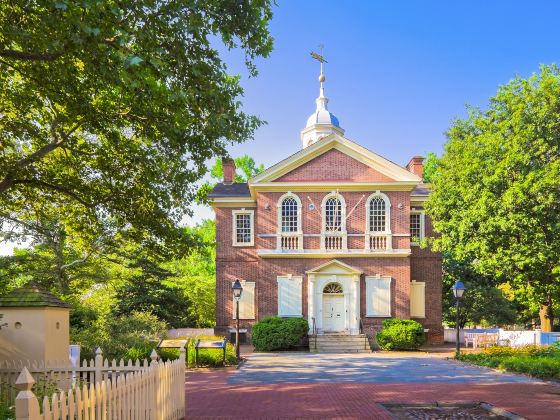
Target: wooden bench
{"x": 210, "y": 345}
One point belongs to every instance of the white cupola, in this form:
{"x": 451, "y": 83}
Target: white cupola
{"x": 322, "y": 122}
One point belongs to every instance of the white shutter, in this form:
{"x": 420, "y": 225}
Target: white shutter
{"x": 247, "y": 301}
{"x": 417, "y": 299}
{"x": 378, "y": 296}
{"x": 289, "y": 296}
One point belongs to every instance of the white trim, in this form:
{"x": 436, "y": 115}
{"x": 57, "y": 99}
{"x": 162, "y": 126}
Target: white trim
{"x": 312, "y": 186}
{"x": 342, "y": 233}
{"x": 387, "y": 232}
{"x": 334, "y": 263}
{"x": 422, "y": 310}
{"x": 319, "y": 253}
{"x": 233, "y": 202}
{"x": 234, "y": 214}
{"x": 422, "y": 214}
{"x": 243, "y": 301}
{"x": 335, "y": 141}
{"x": 299, "y": 232}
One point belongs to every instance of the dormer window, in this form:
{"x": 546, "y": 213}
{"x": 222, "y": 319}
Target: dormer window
{"x": 378, "y": 222}
{"x": 290, "y": 235}
{"x": 333, "y": 236}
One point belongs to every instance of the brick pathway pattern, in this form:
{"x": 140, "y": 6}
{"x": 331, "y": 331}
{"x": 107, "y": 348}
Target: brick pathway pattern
{"x": 302, "y": 385}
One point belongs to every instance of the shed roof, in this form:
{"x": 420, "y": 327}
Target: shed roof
{"x": 237, "y": 189}
{"x": 31, "y": 295}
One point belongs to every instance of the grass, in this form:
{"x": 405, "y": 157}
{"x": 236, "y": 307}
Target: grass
{"x": 538, "y": 361}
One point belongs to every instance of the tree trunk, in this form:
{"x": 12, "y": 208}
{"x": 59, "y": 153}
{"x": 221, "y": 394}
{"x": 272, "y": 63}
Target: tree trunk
{"x": 546, "y": 315}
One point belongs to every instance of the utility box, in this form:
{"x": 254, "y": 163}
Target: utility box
{"x": 35, "y": 326}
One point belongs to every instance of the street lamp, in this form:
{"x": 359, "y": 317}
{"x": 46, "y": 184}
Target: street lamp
{"x": 237, "y": 291}
{"x": 458, "y": 291}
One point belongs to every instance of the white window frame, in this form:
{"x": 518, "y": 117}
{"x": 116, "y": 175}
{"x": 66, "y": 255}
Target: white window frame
{"x": 297, "y": 281}
{"x": 342, "y": 231}
{"x": 385, "y": 198}
{"x": 251, "y": 214}
{"x": 422, "y": 214}
{"x": 245, "y": 284}
{"x": 370, "y": 309}
{"x": 422, "y": 313}
{"x": 299, "y": 231}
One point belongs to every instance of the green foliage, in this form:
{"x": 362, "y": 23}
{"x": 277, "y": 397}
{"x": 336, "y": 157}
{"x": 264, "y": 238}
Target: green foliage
{"x": 483, "y": 304}
{"x": 400, "y": 334}
{"x": 110, "y": 110}
{"x": 431, "y": 165}
{"x": 275, "y": 333}
{"x": 206, "y": 357}
{"x": 540, "y": 361}
{"x": 195, "y": 274}
{"x": 496, "y": 199}
{"x": 131, "y": 336}
{"x": 149, "y": 291}
{"x": 245, "y": 169}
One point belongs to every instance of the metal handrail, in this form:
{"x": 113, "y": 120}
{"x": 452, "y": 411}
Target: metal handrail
{"x": 361, "y": 326}
{"x": 314, "y": 333}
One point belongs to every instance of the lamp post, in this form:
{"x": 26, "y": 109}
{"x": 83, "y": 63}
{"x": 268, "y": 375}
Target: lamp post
{"x": 237, "y": 291}
{"x": 458, "y": 290}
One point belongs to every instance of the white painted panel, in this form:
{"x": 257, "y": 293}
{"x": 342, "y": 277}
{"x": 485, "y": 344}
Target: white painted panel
{"x": 289, "y": 296}
{"x": 417, "y": 299}
{"x": 378, "y": 296}
{"x": 247, "y": 301}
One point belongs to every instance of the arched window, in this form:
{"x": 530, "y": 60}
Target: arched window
{"x": 378, "y": 208}
{"x": 332, "y": 288}
{"x": 289, "y": 215}
{"x": 333, "y": 215}
{"x": 377, "y": 215}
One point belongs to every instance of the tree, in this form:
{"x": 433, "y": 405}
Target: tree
{"x": 496, "y": 198}
{"x": 245, "y": 169}
{"x": 110, "y": 110}
{"x": 430, "y": 166}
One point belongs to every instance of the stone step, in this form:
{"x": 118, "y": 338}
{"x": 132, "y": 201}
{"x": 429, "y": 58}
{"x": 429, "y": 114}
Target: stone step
{"x": 338, "y": 340}
{"x": 343, "y": 350}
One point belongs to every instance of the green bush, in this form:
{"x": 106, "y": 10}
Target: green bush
{"x": 277, "y": 333}
{"x": 206, "y": 357}
{"x": 132, "y": 336}
{"x": 541, "y": 362}
{"x": 400, "y": 334}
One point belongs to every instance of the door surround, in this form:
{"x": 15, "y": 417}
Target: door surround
{"x": 348, "y": 277}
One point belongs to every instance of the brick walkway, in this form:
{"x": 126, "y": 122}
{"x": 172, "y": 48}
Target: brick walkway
{"x": 299, "y": 386}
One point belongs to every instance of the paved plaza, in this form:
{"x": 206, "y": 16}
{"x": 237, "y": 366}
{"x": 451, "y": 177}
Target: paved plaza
{"x": 303, "y": 385}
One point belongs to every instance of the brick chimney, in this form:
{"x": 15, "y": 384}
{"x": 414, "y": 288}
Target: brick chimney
{"x": 416, "y": 166}
{"x": 229, "y": 170}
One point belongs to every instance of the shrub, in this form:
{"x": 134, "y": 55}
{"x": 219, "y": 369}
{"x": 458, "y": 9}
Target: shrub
{"x": 400, "y": 334}
{"x": 542, "y": 362}
{"x": 132, "y": 336}
{"x": 206, "y": 357}
{"x": 277, "y": 333}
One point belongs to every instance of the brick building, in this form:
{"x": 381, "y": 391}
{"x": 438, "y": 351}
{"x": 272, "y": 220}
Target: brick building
{"x": 329, "y": 234}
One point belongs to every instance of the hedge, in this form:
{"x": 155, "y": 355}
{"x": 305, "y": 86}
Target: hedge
{"x": 277, "y": 333}
{"x": 400, "y": 334}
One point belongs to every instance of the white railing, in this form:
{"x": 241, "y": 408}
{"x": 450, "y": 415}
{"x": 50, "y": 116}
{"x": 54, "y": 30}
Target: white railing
{"x": 151, "y": 391}
{"x": 335, "y": 241}
{"x": 378, "y": 242}
{"x": 511, "y": 338}
{"x": 289, "y": 241}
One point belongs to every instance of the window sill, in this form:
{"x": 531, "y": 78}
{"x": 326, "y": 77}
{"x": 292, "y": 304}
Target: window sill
{"x": 241, "y": 245}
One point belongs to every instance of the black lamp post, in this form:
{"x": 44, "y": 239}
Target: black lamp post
{"x": 458, "y": 290}
{"x": 237, "y": 291}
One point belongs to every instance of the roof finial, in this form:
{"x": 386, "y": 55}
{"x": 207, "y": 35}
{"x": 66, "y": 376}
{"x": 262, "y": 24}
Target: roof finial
{"x": 321, "y": 101}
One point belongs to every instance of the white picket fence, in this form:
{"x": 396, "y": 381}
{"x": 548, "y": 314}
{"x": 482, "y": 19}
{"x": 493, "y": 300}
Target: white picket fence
{"x": 511, "y": 338}
{"x": 148, "y": 391}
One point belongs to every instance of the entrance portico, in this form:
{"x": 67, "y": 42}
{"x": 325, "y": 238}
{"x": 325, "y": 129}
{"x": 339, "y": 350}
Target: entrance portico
{"x": 334, "y": 298}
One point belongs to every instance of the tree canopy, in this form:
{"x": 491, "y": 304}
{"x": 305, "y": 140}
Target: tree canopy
{"x": 110, "y": 110}
{"x": 496, "y": 199}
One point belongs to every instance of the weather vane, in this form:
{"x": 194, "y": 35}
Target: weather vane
{"x": 321, "y": 59}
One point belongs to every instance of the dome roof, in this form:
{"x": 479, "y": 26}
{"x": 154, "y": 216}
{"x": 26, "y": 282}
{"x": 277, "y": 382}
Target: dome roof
{"x": 322, "y": 116}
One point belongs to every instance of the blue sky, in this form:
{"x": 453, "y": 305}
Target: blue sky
{"x": 398, "y": 72}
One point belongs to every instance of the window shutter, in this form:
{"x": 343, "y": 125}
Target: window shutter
{"x": 417, "y": 299}
{"x": 289, "y": 296}
{"x": 247, "y": 301}
{"x": 378, "y": 294}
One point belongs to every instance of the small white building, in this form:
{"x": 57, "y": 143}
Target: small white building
{"x": 36, "y": 326}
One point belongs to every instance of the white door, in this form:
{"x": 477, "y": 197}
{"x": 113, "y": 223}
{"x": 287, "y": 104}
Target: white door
{"x": 334, "y": 315}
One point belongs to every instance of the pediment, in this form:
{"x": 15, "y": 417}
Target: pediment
{"x": 334, "y": 267}
{"x": 335, "y": 159}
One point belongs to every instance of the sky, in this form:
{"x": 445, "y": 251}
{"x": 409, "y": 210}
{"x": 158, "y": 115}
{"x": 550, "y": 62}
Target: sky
{"x": 398, "y": 72}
